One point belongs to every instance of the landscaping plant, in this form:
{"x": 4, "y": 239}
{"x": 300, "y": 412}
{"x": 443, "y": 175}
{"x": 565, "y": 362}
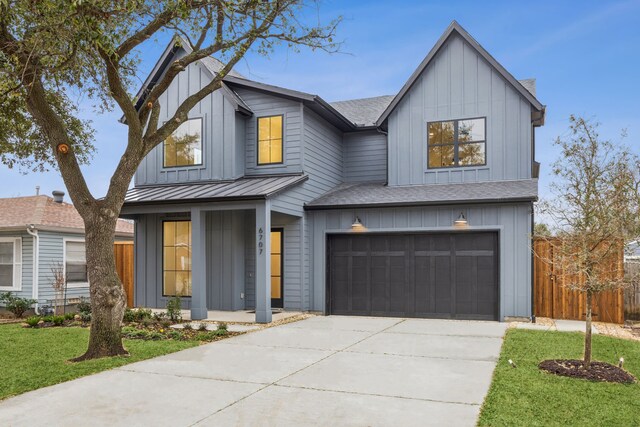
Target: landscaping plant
{"x": 54, "y": 52}
{"x": 596, "y": 211}
{"x": 174, "y": 309}
{"x": 16, "y": 305}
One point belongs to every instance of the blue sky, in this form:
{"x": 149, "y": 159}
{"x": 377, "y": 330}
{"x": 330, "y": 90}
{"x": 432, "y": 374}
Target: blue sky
{"x": 585, "y": 56}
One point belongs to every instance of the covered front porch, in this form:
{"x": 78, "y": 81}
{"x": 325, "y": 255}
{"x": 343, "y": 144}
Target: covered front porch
{"x": 218, "y": 257}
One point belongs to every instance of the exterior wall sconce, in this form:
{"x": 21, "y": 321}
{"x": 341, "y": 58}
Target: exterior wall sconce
{"x": 357, "y": 225}
{"x": 461, "y": 222}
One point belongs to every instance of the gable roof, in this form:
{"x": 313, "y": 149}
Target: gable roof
{"x": 211, "y": 64}
{"x": 363, "y": 112}
{"x": 45, "y": 213}
{"x": 314, "y": 102}
{"x": 455, "y": 28}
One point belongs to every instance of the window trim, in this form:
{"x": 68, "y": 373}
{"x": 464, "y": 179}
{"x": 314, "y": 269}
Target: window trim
{"x": 456, "y": 143}
{"x": 162, "y": 221}
{"x": 17, "y": 266}
{"x": 201, "y": 119}
{"x": 73, "y": 285}
{"x": 266, "y": 165}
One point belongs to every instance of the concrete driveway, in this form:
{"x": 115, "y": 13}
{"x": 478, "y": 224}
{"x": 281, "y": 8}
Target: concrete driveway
{"x": 355, "y": 371}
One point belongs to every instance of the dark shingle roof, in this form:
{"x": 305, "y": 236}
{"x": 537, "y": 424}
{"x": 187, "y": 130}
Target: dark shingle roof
{"x": 379, "y": 194}
{"x": 365, "y": 111}
{"x": 240, "y": 189}
{"x": 530, "y": 85}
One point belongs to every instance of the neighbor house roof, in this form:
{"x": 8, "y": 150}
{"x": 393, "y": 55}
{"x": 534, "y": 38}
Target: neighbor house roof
{"x": 379, "y": 194}
{"x": 363, "y": 112}
{"x": 46, "y": 214}
{"x": 455, "y": 28}
{"x": 241, "y": 189}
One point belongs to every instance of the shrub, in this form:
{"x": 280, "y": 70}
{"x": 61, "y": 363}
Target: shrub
{"x": 223, "y": 326}
{"x": 85, "y": 317}
{"x": 69, "y": 316}
{"x": 174, "y": 309}
{"x": 16, "y": 305}
{"x": 174, "y": 335}
{"x": 48, "y": 319}
{"x": 165, "y": 323}
{"x": 136, "y": 315}
{"x": 33, "y": 321}
{"x": 154, "y": 335}
{"x": 58, "y": 320}
{"x": 187, "y": 326}
{"x": 84, "y": 306}
{"x": 202, "y": 327}
{"x": 160, "y": 315}
{"x": 134, "y": 333}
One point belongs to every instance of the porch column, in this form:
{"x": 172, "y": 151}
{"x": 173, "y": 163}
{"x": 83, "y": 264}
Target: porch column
{"x": 198, "y": 265}
{"x": 263, "y": 262}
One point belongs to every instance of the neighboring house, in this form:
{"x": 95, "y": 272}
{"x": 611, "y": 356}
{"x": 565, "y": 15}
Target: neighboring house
{"x": 56, "y": 231}
{"x": 417, "y": 204}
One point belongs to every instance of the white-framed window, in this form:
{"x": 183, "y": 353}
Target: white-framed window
{"x": 10, "y": 264}
{"x": 75, "y": 263}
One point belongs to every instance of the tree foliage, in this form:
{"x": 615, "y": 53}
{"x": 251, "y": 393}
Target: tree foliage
{"x": 595, "y": 211}
{"x": 52, "y": 52}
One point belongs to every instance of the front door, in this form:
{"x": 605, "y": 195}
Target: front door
{"x": 276, "y": 268}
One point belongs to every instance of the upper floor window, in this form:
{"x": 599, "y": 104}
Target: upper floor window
{"x": 184, "y": 146}
{"x": 269, "y": 140}
{"x": 75, "y": 263}
{"x": 457, "y": 143}
{"x": 10, "y": 263}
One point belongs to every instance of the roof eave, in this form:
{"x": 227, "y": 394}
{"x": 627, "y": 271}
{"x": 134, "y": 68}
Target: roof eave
{"x": 423, "y": 203}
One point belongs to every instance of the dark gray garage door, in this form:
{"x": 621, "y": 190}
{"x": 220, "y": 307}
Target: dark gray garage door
{"x": 445, "y": 275}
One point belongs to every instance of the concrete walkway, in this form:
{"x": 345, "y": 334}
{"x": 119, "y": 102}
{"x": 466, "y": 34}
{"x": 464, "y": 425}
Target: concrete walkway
{"x": 321, "y": 371}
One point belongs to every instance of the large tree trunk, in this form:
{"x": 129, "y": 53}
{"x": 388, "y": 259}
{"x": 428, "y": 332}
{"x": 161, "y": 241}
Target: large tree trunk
{"x": 108, "y": 300}
{"x": 587, "y": 332}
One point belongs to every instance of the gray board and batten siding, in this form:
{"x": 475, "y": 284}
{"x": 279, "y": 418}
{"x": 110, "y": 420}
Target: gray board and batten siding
{"x": 222, "y": 136}
{"x": 230, "y": 246}
{"x": 512, "y": 223}
{"x": 459, "y": 83}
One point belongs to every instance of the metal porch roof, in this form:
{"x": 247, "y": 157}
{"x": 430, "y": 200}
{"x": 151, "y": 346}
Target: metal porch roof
{"x": 241, "y": 189}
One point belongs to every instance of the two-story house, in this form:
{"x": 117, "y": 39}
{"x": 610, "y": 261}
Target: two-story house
{"x": 417, "y": 204}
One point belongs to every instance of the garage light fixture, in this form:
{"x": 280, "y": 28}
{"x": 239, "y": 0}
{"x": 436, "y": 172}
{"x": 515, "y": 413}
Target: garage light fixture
{"x": 461, "y": 222}
{"x": 357, "y": 225}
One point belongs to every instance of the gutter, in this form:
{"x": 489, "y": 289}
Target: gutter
{"x": 533, "y": 315}
{"x": 31, "y": 229}
{"x": 419, "y": 203}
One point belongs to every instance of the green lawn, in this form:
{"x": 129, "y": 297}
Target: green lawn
{"x": 35, "y": 358}
{"x": 527, "y": 396}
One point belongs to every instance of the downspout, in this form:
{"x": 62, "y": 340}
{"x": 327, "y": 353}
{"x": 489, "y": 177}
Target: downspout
{"x": 31, "y": 229}
{"x": 386, "y": 146}
{"x": 533, "y": 260}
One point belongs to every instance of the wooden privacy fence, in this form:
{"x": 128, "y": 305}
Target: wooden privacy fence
{"x": 123, "y": 252}
{"x": 553, "y": 299}
{"x": 632, "y": 293}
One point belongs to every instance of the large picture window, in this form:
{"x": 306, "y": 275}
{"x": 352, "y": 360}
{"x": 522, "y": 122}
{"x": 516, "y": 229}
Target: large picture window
{"x": 456, "y": 143}
{"x": 184, "y": 146}
{"x": 10, "y": 263}
{"x": 75, "y": 263}
{"x": 176, "y": 255}
{"x": 269, "y": 140}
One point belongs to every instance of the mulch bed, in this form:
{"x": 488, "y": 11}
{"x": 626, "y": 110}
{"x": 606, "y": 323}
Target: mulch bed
{"x": 599, "y": 371}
